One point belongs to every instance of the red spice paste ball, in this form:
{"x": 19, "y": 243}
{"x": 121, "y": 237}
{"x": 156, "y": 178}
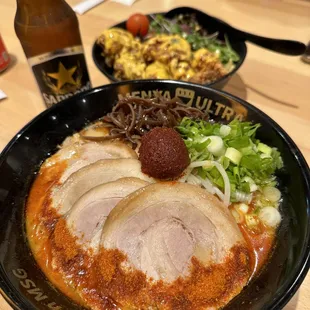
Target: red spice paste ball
{"x": 163, "y": 153}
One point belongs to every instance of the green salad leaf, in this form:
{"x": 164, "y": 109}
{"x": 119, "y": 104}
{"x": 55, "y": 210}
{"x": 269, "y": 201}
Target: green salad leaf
{"x": 187, "y": 27}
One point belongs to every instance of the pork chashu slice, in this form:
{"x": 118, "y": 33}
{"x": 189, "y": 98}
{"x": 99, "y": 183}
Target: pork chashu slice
{"x": 80, "y": 154}
{"x": 162, "y": 226}
{"x": 88, "y": 215}
{"x": 100, "y": 172}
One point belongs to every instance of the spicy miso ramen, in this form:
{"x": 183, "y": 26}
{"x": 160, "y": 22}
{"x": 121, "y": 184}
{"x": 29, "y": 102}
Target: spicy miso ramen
{"x": 155, "y": 206}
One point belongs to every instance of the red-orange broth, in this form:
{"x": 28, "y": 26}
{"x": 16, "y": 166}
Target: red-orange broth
{"x": 87, "y": 279}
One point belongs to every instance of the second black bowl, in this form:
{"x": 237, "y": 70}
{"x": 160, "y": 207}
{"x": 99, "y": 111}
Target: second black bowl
{"x": 205, "y": 21}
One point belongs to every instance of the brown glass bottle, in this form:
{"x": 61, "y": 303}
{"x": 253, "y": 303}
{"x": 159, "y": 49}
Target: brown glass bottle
{"x": 48, "y": 31}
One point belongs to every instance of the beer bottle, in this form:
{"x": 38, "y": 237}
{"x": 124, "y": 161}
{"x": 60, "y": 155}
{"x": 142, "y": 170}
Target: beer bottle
{"x": 48, "y": 31}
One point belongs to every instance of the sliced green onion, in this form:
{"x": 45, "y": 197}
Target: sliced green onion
{"x": 250, "y": 181}
{"x": 247, "y": 150}
{"x": 253, "y": 188}
{"x": 225, "y": 130}
{"x": 263, "y": 155}
{"x": 248, "y": 164}
{"x": 242, "y": 197}
{"x": 233, "y": 155}
{"x": 270, "y": 216}
{"x": 239, "y": 142}
{"x": 272, "y": 193}
{"x": 216, "y": 146}
{"x": 264, "y": 148}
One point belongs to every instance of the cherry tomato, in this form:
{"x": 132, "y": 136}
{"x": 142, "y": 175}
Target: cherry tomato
{"x": 138, "y": 24}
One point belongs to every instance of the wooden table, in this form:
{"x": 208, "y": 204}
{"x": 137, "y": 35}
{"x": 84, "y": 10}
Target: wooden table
{"x": 277, "y": 84}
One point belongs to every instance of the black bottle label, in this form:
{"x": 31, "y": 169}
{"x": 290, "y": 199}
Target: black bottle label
{"x": 60, "y": 74}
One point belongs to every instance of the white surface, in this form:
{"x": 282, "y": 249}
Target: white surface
{"x": 2, "y": 94}
{"x": 125, "y": 2}
{"x": 86, "y": 5}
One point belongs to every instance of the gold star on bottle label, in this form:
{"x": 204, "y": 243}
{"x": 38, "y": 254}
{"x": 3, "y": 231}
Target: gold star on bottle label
{"x": 63, "y": 76}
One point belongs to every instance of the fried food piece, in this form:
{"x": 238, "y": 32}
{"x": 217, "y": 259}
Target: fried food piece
{"x": 128, "y": 67}
{"x": 135, "y": 48}
{"x": 207, "y": 66}
{"x": 165, "y": 47}
{"x": 129, "y": 64}
{"x": 181, "y": 70}
{"x": 151, "y": 47}
{"x": 157, "y": 70}
{"x": 113, "y": 41}
{"x": 207, "y": 76}
{"x": 163, "y": 56}
{"x": 202, "y": 58}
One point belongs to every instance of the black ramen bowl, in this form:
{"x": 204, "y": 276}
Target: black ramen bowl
{"x": 205, "y": 21}
{"x": 25, "y": 286}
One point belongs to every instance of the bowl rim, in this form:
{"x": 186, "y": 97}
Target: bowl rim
{"x": 289, "y": 289}
{"x": 112, "y": 78}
